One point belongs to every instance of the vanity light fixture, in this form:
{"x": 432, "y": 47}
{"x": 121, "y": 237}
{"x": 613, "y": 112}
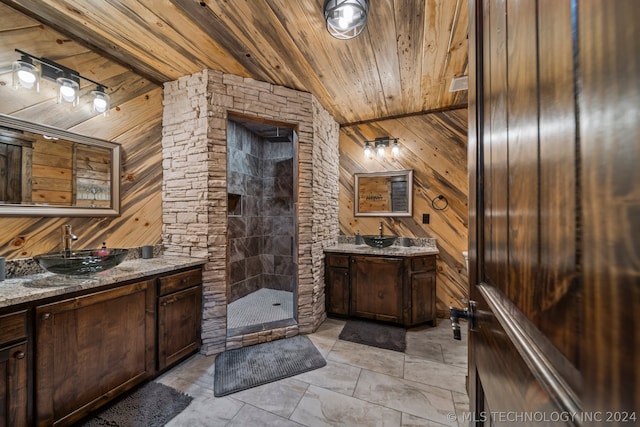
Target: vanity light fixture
{"x": 28, "y": 70}
{"x": 380, "y": 145}
{"x": 345, "y": 18}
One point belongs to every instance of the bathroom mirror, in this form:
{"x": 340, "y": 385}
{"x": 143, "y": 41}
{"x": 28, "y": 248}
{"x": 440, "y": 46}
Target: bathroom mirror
{"x": 46, "y": 171}
{"x": 383, "y": 193}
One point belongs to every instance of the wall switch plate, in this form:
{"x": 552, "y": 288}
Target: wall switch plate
{"x": 425, "y": 218}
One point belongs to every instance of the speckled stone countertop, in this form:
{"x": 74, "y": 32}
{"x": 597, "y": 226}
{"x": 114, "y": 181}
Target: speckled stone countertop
{"x": 44, "y": 285}
{"x": 422, "y": 246}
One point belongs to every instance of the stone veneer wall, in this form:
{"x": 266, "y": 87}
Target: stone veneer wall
{"x": 194, "y": 188}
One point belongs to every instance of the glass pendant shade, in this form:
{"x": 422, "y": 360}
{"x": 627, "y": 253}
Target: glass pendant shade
{"x": 69, "y": 91}
{"x": 101, "y": 102}
{"x": 395, "y": 149}
{"x": 25, "y": 75}
{"x": 345, "y": 18}
{"x": 367, "y": 150}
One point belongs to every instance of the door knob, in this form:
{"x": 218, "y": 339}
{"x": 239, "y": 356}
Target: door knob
{"x": 455, "y": 314}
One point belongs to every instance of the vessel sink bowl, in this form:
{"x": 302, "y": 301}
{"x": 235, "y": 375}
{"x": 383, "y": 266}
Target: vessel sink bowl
{"x": 81, "y": 262}
{"x": 379, "y": 241}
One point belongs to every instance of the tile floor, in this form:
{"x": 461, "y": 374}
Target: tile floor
{"x": 360, "y": 386}
{"x": 262, "y": 306}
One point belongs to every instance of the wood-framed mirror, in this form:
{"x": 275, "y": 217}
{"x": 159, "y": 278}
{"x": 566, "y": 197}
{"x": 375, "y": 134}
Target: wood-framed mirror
{"x": 45, "y": 171}
{"x": 383, "y": 193}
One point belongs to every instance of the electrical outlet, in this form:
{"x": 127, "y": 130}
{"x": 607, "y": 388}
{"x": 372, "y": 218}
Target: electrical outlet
{"x": 425, "y": 218}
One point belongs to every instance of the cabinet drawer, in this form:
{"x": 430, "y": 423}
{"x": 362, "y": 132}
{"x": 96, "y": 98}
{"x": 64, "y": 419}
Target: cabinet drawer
{"x": 179, "y": 281}
{"x": 427, "y": 263}
{"x": 338, "y": 261}
{"x": 13, "y": 327}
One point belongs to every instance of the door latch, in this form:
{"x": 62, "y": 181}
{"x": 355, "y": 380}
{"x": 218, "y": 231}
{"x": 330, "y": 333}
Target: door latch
{"x": 455, "y": 314}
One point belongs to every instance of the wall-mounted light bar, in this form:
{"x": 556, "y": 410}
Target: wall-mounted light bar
{"x": 380, "y": 145}
{"x": 29, "y": 69}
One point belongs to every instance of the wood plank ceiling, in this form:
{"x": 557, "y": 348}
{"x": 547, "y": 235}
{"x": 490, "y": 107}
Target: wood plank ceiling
{"x": 402, "y": 64}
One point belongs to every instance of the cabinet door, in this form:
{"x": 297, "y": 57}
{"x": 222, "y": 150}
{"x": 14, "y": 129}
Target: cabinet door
{"x": 337, "y": 291}
{"x": 376, "y": 288}
{"x": 90, "y": 349}
{"x": 423, "y": 297}
{"x": 179, "y": 325}
{"x": 13, "y": 386}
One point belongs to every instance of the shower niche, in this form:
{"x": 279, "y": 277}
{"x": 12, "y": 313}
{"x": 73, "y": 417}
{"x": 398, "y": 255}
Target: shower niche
{"x": 262, "y": 224}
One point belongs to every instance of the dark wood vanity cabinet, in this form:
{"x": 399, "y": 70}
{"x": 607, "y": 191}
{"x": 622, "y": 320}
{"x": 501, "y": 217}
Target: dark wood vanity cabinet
{"x": 376, "y": 288}
{"x": 337, "y": 280}
{"x": 423, "y": 290}
{"x": 395, "y": 289}
{"x": 179, "y": 316}
{"x": 14, "y": 402}
{"x": 91, "y": 348}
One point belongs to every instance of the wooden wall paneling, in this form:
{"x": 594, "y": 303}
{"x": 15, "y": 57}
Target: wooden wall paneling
{"x": 440, "y": 20}
{"x": 409, "y": 21}
{"x": 609, "y": 66}
{"x": 522, "y": 133}
{"x": 391, "y": 67}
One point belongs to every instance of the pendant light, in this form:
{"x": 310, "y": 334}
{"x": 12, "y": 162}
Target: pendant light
{"x": 345, "y": 18}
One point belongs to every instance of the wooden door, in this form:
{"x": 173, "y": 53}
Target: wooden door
{"x": 554, "y": 212}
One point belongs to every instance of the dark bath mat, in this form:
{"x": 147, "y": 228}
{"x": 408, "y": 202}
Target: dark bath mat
{"x": 375, "y": 334}
{"x": 260, "y": 364}
{"x": 153, "y": 404}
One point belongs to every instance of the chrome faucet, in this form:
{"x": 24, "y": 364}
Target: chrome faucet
{"x": 67, "y": 238}
{"x": 380, "y": 228}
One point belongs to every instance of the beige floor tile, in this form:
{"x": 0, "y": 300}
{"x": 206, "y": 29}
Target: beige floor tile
{"x": 437, "y": 374}
{"x": 360, "y": 386}
{"x": 425, "y": 401}
{"x": 256, "y": 417}
{"x": 461, "y": 402}
{"x": 207, "y": 412}
{"x": 280, "y": 397}
{"x": 336, "y": 376}
{"x": 409, "y": 420}
{"x": 374, "y": 359}
{"x": 320, "y": 407}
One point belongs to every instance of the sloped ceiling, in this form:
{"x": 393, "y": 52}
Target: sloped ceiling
{"x": 402, "y": 64}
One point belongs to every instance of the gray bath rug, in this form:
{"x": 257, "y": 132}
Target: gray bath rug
{"x": 153, "y": 404}
{"x": 260, "y": 364}
{"x": 375, "y": 334}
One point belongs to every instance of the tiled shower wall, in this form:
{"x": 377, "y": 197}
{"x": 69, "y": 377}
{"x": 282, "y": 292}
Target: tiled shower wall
{"x": 261, "y": 231}
{"x": 194, "y": 186}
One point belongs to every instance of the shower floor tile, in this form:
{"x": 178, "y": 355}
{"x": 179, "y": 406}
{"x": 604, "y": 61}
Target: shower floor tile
{"x": 261, "y": 306}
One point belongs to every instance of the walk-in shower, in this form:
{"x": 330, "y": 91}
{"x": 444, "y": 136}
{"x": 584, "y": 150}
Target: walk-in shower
{"x": 262, "y": 244}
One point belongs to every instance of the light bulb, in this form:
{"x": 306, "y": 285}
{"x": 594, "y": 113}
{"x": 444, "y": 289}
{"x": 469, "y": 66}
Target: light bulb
{"x": 68, "y": 93}
{"x": 101, "y": 102}
{"x": 347, "y": 13}
{"x": 26, "y": 75}
{"x": 27, "y": 78}
{"x": 381, "y": 151}
{"x": 100, "y": 105}
{"x": 395, "y": 149}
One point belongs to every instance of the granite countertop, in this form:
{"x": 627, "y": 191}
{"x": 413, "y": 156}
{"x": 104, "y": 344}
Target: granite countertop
{"x": 44, "y": 285}
{"x": 392, "y": 250}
